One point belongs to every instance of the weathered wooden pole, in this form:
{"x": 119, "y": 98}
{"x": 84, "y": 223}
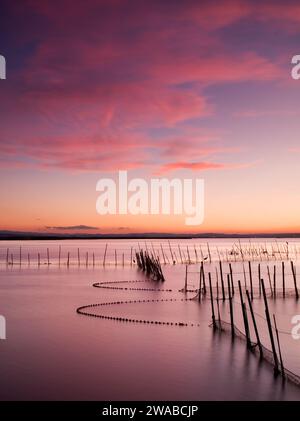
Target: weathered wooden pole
{"x": 274, "y": 281}
{"x": 78, "y": 256}
{"x": 230, "y": 308}
{"x": 276, "y": 369}
{"x": 104, "y": 256}
{"x": 212, "y": 302}
{"x": 20, "y": 255}
{"x": 245, "y": 317}
{"x": 48, "y": 257}
{"x": 269, "y": 277}
{"x": 209, "y": 255}
{"x": 68, "y": 259}
{"x": 231, "y": 278}
{"x": 283, "y": 279}
{"x": 279, "y": 348}
{"x": 222, "y": 280}
{"x": 39, "y": 259}
{"x": 87, "y": 259}
{"x": 203, "y": 277}
{"x": 163, "y": 254}
{"x": 185, "y": 279}
{"x": 259, "y": 277}
{"x": 250, "y": 277}
{"x": 131, "y": 256}
{"x": 59, "y": 254}
{"x": 254, "y": 324}
{"x": 179, "y": 249}
{"x": 93, "y": 259}
{"x": 200, "y": 283}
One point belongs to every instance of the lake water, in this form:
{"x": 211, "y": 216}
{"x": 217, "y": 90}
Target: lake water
{"x": 52, "y": 352}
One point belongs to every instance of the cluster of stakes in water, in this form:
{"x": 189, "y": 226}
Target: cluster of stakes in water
{"x": 87, "y": 310}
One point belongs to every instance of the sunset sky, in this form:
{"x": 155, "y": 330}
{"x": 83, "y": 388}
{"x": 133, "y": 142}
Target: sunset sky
{"x": 188, "y": 89}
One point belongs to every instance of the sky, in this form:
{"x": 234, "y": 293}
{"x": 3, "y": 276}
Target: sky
{"x": 175, "y": 89}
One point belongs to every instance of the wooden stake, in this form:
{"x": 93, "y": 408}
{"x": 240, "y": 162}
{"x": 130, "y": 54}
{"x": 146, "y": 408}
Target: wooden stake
{"x": 212, "y": 302}
{"x": 104, "y": 257}
{"x": 230, "y": 308}
{"x": 283, "y": 279}
{"x": 245, "y": 317}
{"x": 78, "y": 256}
{"x": 59, "y": 253}
{"x": 274, "y": 281}
{"x": 250, "y": 276}
{"x": 254, "y": 323}
{"x": 222, "y": 280}
{"x": 295, "y": 281}
{"x": 279, "y": 348}
{"x": 231, "y": 278}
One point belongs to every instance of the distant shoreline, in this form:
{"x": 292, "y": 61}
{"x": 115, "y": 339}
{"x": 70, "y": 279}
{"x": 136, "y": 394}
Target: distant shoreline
{"x": 30, "y": 236}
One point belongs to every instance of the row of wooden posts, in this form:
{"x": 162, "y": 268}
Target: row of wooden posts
{"x": 190, "y": 256}
{"x": 229, "y": 294}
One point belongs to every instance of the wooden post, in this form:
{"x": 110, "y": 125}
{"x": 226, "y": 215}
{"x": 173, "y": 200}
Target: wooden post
{"x": 87, "y": 259}
{"x": 104, "y": 257}
{"x": 259, "y": 277}
{"x": 20, "y": 256}
{"x": 269, "y": 277}
{"x": 39, "y": 259}
{"x": 295, "y": 281}
{"x": 276, "y": 369}
{"x": 68, "y": 259}
{"x": 254, "y": 324}
{"x": 186, "y": 276}
{"x": 209, "y": 255}
{"x": 93, "y": 259}
{"x": 78, "y": 256}
{"x": 230, "y": 308}
{"x": 173, "y": 261}
{"x": 123, "y": 259}
{"x": 179, "y": 249}
{"x": 196, "y": 255}
{"x": 163, "y": 254}
{"x": 250, "y": 277}
{"x": 222, "y": 280}
{"x": 283, "y": 279}
{"x": 131, "y": 256}
{"x": 278, "y": 344}
{"x": 245, "y": 317}
{"x": 188, "y": 253}
{"x": 245, "y": 278}
{"x": 48, "y": 257}
{"x": 203, "y": 278}
{"x": 200, "y": 283}
{"x": 212, "y": 302}
{"x": 59, "y": 253}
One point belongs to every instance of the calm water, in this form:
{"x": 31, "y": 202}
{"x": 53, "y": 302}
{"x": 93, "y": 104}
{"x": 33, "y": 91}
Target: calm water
{"x": 51, "y": 352}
